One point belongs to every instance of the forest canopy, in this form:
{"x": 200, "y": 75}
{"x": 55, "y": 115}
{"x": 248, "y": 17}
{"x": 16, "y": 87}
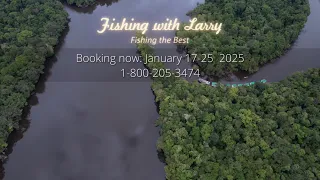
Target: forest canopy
{"x": 265, "y": 131}
{"x": 85, "y": 3}
{"x": 260, "y": 30}
{"x": 268, "y": 131}
{"x": 29, "y": 30}
{"x": 81, "y": 2}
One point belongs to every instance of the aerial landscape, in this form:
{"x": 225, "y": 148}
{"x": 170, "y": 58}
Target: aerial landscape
{"x": 237, "y": 100}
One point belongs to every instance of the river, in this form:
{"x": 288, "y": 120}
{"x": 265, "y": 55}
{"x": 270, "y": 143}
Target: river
{"x": 86, "y": 122}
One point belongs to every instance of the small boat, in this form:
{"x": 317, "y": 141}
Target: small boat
{"x": 263, "y": 81}
{"x": 214, "y": 84}
{"x": 203, "y": 81}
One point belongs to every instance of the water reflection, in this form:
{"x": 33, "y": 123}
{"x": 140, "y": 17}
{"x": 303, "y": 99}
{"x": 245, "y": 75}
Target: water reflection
{"x": 90, "y": 130}
{"x": 40, "y": 88}
{"x": 16, "y": 135}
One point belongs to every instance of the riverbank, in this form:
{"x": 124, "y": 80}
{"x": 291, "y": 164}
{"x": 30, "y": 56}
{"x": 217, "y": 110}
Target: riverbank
{"x": 81, "y": 3}
{"x": 82, "y": 125}
{"x": 259, "y": 34}
{"x": 87, "y": 4}
{"x": 79, "y": 122}
{"x": 243, "y": 119}
{"x": 25, "y": 46}
{"x": 47, "y": 39}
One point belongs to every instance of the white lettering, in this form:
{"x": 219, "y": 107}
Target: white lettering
{"x": 79, "y": 58}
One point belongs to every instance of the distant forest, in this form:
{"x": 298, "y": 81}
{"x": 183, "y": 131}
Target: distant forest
{"x": 260, "y": 30}
{"x": 81, "y": 2}
{"x": 85, "y": 3}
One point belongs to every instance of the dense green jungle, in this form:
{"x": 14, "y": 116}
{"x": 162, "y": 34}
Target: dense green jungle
{"x": 265, "y": 131}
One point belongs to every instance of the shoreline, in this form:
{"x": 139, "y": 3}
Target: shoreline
{"x": 228, "y": 75}
{"x": 28, "y": 106}
{"x": 16, "y": 131}
{"x": 237, "y": 70}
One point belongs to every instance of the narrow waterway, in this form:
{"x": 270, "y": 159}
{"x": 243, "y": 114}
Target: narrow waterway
{"x": 86, "y": 122}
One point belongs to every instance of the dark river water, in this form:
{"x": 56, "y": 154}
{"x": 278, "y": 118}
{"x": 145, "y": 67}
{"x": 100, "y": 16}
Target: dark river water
{"x": 86, "y": 122}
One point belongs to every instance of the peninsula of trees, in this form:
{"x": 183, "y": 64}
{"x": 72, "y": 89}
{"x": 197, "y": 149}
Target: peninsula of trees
{"x": 260, "y": 30}
{"x": 265, "y": 131}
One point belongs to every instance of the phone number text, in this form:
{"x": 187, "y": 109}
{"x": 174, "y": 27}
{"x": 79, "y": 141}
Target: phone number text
{"x": 159, "y": 73}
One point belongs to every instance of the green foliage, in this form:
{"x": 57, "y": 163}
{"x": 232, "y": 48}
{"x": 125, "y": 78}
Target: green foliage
{"x": 91, "y": 3}
{"x": 260, "y": 30}
{"x": 267, "y": 131}
{"x": 29, "y": 30}
{"x": 264, "y": 131}
{"x": 80, "y": 3}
